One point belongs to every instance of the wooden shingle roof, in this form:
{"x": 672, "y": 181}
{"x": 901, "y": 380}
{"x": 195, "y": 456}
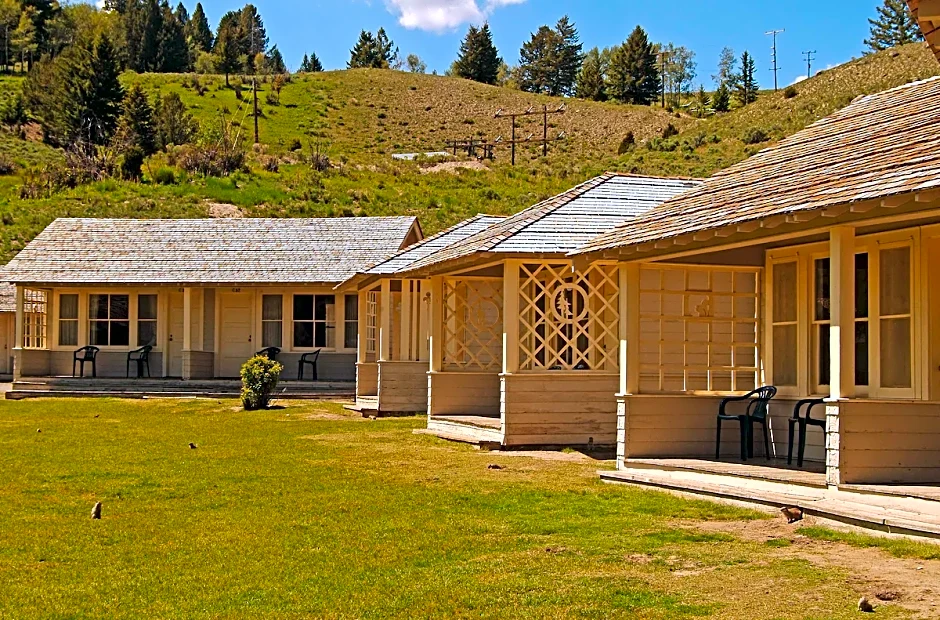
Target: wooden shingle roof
{"x": 7, "y": 297}
{"x": 566, "y": 221}
{"x": 207, "y": 251}
{"x": 879, "y": 146}
{"x": 927, "y": 15}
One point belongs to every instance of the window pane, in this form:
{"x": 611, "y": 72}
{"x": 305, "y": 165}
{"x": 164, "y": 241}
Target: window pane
{"x": 68, "y": 333}
{"x": 861, "y": 353}
{"x": 351, "y": 308}
{"x": 68, "y": 306}
{"x": 97, "y": 307}
{"x": 861, "y": 286}
{"x": 120, "y": 307}
{"x": 325, "y": 308}
{"x": 785, "y": 355}
{"x": 895, "y": 281}
{"x": 303, "y": 334}
{"x": 271, "y": 334}
{"x": 784, "y": 292}
{"x": 351, "y": 335}
{"x": 821, "y": 342}
{"x": 98, "y": 334}
{"x": 272, "y": 309}
{"x": 146, "y": 333}
{"x": 147, "y": 307}
{"x": 320, "y": 334}
{"x": 896, "y": 353}
{"x": 821, "y": 284}
{"x": 120, "y": 333}
{"x": 303, "y": 307}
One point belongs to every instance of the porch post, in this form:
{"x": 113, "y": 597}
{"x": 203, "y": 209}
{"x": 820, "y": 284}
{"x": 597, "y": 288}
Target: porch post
{"x": 363, "y": 327}
{"x": 841, "y": 340}
{"x": 629, "y": 307}
{"x": 404, "y": 346}
{"x": 436, "y": 339}
{"x": 18, "y": 335}
{"x": 187, "y": 332}
{"x": 385, "y": 322}
{"x": 511, "y": 316}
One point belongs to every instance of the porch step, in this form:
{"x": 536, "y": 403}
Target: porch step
{"x": 68, "y": 387}
{"x": 459, "y": 428}
{"x": 757, "y": 469}
{"x": 365, "y": 405}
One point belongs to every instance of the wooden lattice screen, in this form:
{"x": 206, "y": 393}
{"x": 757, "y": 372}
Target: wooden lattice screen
{"x": 35, "y": 318}
{"x": 568, "y": 320}
{"x": 473, "y": 324}
{"x": 372, "y": 317}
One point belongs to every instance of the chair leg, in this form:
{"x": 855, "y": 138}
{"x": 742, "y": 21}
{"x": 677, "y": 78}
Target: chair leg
{"x": 73, "y": 367}
{"x": 94, "y": 368}
{"x": 300, "y": 371}
{"x": 790, "y": 423}
{"x": 766, "y": 440}
{"x": 745, "y": 436}
{"x": 802, "y": 449}
{"x": 718, "y": 441}
{"x": 148, "y": 368}
{"x": 127, "y": 374}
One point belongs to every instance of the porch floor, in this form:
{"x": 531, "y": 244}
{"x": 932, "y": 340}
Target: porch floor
{"x": 483, "y": 431}
{"x": 472, "y": 420}
{"x": 909, "y": 509}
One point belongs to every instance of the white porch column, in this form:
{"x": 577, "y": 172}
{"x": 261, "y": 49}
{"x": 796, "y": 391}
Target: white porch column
{"x": 404, "y": 346}
{"x": 511, "y": 316}
{"x": 18, "y": 335}
{"x": 385, "y": 322}
{"x": 187, "y": 332}
{"x": 629, "y": 302}
{"x": 841, "y": 341}
{"x": 436, "y": 339}
{"x": 363, "y": 327}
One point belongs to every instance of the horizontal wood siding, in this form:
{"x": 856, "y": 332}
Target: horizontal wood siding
{"x": 884, "y": 443}
{"x": 331, "y": 366}
{"x": 463, "y": 393}
{"x": 367, "y": 379}
{"x": 33, "y": 363}
{"x": 198, "y": 364}
{"x": 563, "y": 409}
{"x": 109, "y": 364}
{"x": 685, "y": 426}
{"x": 403, "y": 386}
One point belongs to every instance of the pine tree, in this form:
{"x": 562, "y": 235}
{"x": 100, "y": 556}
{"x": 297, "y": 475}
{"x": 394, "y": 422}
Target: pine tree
{"x": 137, "y": 122}
{"x": 198, "y": 33}
{"x": 172, "y": 123}
{"x": 143, "y": 31}
{"x": 633, "y": 76}
{"x": 226, "y": 50}
{"x": 570, "y": 57}
{"x": 106, "y": 93}
{"x": 478, "y": 59}
{"x": 310, "y": 64}
{"x": 702, "y": 102}
{"x": 252, "y": 36}
{"x": 538, "y": 62}
{"x": 894, "y": 25}
{"x": 172, "y": 51}
{"x": 363, "y": 55}
{"x": 722, "y": 100}
{"x": 745, "y": 82}
{"x": 385, "y": 51}
{"x": 591, "y": 77}
{"x": 275, "y": 61}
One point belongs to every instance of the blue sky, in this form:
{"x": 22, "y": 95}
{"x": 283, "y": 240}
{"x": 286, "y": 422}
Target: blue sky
{"x": 433, "y": 28}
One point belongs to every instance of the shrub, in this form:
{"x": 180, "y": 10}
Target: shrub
{"x": 238, "y": 91}
{"x": 627, "y": 144}
{"x": 270, "y": 163}
{"x": 670, "y": 131}
{"x": 259, "y": 380}
{"x": 164, "y": 176}
{"x": 13, "y": 111}
{"x": 271, "y": 99}
{"x": 294, "y": 145}
{"x": 789, "y": 92}
{"x": 131, "y": 163}
{"x": 6, "y": 165}
{"x": 754, "y": 135}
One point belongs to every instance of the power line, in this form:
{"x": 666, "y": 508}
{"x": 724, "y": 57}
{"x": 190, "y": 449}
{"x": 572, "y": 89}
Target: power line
{"x": 809, "y": 58}
{"x": 773, "y": 51}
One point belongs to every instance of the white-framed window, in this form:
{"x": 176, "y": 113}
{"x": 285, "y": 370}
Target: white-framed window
{"x": 35, "y": 318}
{"x": 351, "y": 321}
{"x": 894, "y": 318}
{"x": 68, "y": 319}
{"x": 784, "y": 322}
{"x": 314, "y": 321}
{"x": 272, "y": 320}
{"x": 109, "y": 322}
{"x": 147, "y": 320}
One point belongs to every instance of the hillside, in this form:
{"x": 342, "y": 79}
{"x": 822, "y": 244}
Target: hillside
{"x": 359, "y": 118}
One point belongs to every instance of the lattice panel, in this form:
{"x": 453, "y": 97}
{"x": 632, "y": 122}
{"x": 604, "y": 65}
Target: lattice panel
{"x": 372, "y": 318}
{"x": 35, "y": 318}
{"x": 568, "y": 321}
{"x": 473, "y": 324}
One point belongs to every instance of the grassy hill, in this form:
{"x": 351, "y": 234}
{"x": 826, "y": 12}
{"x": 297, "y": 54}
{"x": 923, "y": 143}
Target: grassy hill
{"x": 359, "y": 118}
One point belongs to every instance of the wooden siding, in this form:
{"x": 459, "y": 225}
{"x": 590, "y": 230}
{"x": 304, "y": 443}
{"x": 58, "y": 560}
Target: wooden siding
{"x": 559, "y": 409}
{"x": 403, "y": 386}
{"x": 42, "y": 363}
{"x": 367, "y": 379}
{"x": 331, "y": 366}
{"x": 889, "y": 442}
{"x": 198, "y": 364}
{"x": 684, "y": 426}
{"x": 463, "y": 393}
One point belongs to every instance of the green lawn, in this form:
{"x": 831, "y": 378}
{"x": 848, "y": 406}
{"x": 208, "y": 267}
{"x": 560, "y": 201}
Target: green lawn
{"x": 306, "y": 511}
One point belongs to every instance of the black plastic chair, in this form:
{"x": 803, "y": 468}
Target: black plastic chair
{"x": 142, "y": 358}
{"x": 85, "y": 355}
{"x": 311, "y": 359}
{"x": 270, "y": 352}
{"x": 803, "y": 422}
{"x": 756, "y": 412}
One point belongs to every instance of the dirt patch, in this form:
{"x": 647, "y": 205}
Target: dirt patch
{"x": 221, "y": 209}
{"x": 908, "y": 583}
{"x": 550, "y": 455}
{"x": 454, "y": 167}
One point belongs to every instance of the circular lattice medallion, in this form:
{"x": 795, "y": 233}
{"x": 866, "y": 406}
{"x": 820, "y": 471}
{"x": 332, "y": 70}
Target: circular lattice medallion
{"x": 569, "y": 303}
{"x": 485, "y": 316}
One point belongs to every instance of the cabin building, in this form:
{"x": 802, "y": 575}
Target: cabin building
{"x": 7, "y": 316}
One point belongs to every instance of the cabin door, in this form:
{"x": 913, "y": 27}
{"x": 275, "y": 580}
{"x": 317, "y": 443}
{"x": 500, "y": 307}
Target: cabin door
{"x": 174, "y": 349}
{"x": 6, "y": 343}
{"x": 235, "y": 341}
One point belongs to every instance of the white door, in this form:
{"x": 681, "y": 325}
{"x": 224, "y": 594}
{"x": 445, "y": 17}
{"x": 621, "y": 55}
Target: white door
{"x": 235, "y": 342}
{"x": 174, "y": 349}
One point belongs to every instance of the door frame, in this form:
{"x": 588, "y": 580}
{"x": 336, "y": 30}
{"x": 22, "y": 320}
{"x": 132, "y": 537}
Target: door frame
{"x": 220, "y": 295}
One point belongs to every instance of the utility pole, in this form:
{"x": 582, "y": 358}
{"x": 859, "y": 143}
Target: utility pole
{"x": 512, "y": 117}
{"x": 773, "y": 51}
{"x": 254, "y": 93}
{"x": 808, "y": 57}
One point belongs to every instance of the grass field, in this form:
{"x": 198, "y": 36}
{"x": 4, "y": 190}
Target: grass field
{"x": 307, "y": 511}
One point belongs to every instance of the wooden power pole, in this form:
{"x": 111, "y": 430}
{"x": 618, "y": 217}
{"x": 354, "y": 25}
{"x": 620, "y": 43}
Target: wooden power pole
{"x": 512, "y": 117}
{"x": 254, "y": 94}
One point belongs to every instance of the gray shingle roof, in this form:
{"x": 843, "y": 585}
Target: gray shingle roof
{"x": 207, "y": 251}
{"x": 7, "y": 297}
{"x": 567, "y": 221}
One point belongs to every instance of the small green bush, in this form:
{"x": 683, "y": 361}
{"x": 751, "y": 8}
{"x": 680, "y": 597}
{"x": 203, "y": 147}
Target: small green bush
{"x": 259, "y": 380}
{"x": 6, "y": 165}
{"x": 164, "y": 176}
{"x": 754, "y": 135}
{"x": 789, "y": 92}
{"x": 131, "y": 164}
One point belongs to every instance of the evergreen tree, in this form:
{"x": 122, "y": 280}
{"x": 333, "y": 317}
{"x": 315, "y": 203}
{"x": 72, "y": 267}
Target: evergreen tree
{"x": 181, "y": 14}
{"x": 226, "y": 50}
{"x": 894, "y": 25}
{"x": 363, "y": 55}
{"x": 478, "y": 59}
{"x": 727, "y": 67}
{"x": 42, "y": 12}
{"x": 745, "y": 82}
{"x": 275, "y": 61}
{"x": 198, "y": 33}
{"x": 253, "y": 38}
{"x": 25, "y": 39}
{"x": 633, "y": 76}
{"x": 172, "y": 50}
{"x": 591, "y": 77}
{"x": 172, "y": 123}
{"x": 137, "y": 122}
{"x": 570, "y": 57}
{"x": 310, "y": 64}
{"x": 385, "y": 51}
{"x": 143, "y": 31}
{"x": 722, "y": 100}
{"x": 538, "y": 62}
{"x": 702, "y": 102}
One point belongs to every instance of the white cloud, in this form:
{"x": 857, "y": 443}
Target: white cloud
{"x": 443, "y": 15}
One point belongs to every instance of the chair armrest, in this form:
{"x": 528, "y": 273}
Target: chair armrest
{"x": 732, "y": 399}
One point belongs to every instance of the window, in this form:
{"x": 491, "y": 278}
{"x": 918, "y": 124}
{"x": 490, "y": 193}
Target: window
{"x": 351, "y": 312}
{"x": 146, "y": 320}
{"x": 821, "y": 318}
{"x": 314, "y": 321}
{"x": 894, "y": 317}
{"x": 372, "y": 319}
{"x": 35, "y": 318}
{"x": 272, "y": 320}
{"x": 784, "y": 324}
{"x": 861, "y": 319}
{"x": 68, "y": 320}
{"x": 109, "y": 320}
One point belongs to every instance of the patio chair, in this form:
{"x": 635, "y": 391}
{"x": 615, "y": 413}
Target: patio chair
{"x": 270, "y": 352}
{"x": 755, "y": 412}
{"x": 311, "y": 359}
{"x": 141, "y": 357}
{"x": 803, "y": 422}
{"x": 83, "y": 355}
